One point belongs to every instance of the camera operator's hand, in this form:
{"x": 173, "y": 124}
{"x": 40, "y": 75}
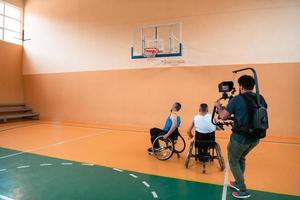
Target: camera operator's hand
{"x": 223, "y": 114}
{"x": 218, "y": 105}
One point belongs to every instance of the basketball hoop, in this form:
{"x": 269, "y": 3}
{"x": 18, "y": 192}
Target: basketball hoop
{"x": 150, "y": 52}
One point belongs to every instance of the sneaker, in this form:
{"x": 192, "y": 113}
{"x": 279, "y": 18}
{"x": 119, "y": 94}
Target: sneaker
{"x": 233, "y": 185}
{"x": 241, "y": 194}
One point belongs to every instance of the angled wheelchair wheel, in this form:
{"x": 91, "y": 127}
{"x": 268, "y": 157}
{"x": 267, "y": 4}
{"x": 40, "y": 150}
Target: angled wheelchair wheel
{"x": 220, "y": 157}
{"x": 165, "y": 150}
{"x": 189, "y": 155}
{"x": 180, "y": 144}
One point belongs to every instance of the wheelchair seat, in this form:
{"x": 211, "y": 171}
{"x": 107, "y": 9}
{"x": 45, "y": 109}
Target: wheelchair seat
{"x": 205, "y": 152}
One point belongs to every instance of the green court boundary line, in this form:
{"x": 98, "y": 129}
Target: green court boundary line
{"x": 111, "y": 167}
{"x": 129, "y": 173}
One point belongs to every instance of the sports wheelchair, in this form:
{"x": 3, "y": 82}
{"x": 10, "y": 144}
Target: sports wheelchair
{"x": 205, "y": 151}
{"x": 167, "y": 147}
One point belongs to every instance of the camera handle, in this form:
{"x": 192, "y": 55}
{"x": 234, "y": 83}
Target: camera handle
{"x": 213, "y": 117}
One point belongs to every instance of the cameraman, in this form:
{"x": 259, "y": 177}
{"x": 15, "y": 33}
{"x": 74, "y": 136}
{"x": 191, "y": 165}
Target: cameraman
{"x": 239, "y": 145}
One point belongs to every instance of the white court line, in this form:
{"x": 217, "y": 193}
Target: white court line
{"x": 134, "y": 176}
{"x": 51, "y": 145}
{"x": 59, "y": 143}
{"x": 224, "y": 193}
{"x": 46, "y": 164}
{"x": 24, "y": 166}
{"x": 87, "y": 164}
{"x": 155, "y": 196}
{"x": 5, "y": 197}
{"x": 119, "y": 170}
{"x": 66, "y": 163}
{"x": 2, "y": 170}
{"x": 146, "y": 184}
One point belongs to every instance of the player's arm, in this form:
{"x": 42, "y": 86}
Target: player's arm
{"x": 191, "y": 126}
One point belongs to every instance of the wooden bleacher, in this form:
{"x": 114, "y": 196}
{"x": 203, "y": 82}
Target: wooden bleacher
{"x": 16, "y": 111}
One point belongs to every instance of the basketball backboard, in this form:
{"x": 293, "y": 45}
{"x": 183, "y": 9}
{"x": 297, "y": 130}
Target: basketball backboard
{"x": 166, "y": 38}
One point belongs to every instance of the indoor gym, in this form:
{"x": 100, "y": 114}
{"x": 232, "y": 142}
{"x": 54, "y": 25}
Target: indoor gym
{"x": 83, "y": 82}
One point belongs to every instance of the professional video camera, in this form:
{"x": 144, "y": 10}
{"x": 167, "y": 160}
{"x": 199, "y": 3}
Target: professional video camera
{"x": 227, "y": 89}
{"x": 259, "y": 115}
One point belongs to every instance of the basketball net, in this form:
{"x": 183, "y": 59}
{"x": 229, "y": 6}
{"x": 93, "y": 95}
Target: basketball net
{"x": 150, "y": 52}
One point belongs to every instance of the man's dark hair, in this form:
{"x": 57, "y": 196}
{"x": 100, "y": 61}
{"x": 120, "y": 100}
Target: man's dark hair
{"x": 247, "y": 82}
{"x": 177, "y": 106}
{"x": 203, "y": 107}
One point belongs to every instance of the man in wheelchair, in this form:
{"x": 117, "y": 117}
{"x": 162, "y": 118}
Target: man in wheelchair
{"x": 204, "y": 138}
{"x": 205, "y": 130}
{"x": 170, "y": 129}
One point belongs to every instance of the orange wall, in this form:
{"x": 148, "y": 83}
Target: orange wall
{"x": 10, "y": 73}
{"x": 143, "y": 97}
{"x": 76, "y": 65}
{"x": 92, "y": 35}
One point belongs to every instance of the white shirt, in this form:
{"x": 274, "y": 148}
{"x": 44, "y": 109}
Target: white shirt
{"x": 203, "y": 124}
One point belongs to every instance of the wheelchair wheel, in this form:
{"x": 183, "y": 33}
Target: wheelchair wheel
{"x": 165, "y": 150}
{"x": 180, "y": 144}
{"x": 189, "y": 155}
{"x": 220, "y": 157}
